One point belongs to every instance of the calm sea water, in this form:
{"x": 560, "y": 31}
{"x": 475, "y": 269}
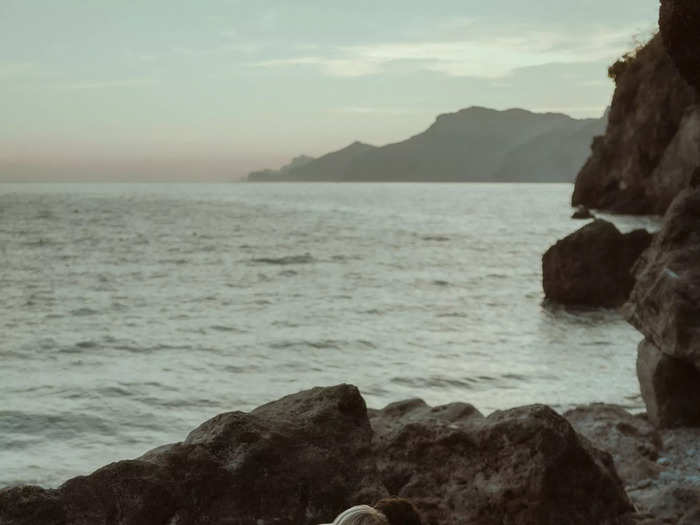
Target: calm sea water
{"x": 131, "y": 313}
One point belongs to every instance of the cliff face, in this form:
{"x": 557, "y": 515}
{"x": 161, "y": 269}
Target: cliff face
{"x": 651, "y": 108}
{"x": 679, "y": 21}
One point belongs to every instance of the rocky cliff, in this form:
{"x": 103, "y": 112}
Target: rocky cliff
{"x": 649, "y": 151}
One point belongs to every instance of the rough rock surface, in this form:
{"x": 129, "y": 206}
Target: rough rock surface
{"x": 679, "y": 21}
{"x": 671, "y": 491}
{"x": 665, "y": 302}
{"x": 304, "y": 458}
{"x": 592, "y": 266}
{"x": 631, "y": 440}
{"x": 299, "y": 460}
{"x": 670, "y": 388}
{"x": 623, "y": 173}
{"x": 521, "y": 466}
{"x": 678, "y": 165}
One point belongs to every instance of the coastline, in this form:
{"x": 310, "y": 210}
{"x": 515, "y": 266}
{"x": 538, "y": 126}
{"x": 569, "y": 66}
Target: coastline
{"x": 454, "y": 463}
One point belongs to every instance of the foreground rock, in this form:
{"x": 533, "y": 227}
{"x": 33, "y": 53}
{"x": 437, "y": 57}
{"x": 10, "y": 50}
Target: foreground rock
{"x": 521, "y": 466}
{"x": 651, "y": 109}
{"x": 670, "y": 388}
{"x": 304, "y": 458}
{"x": 660, "y": 468}
{"x": 296, "y": 461}
{"x": 665, "y": 302}
{"x": 592, "y": 266}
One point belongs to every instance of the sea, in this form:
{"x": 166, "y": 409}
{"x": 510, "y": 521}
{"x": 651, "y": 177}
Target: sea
{"x": 131, "y": 313}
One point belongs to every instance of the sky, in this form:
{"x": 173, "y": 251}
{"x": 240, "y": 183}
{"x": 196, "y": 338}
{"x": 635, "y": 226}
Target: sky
{"x": 211, "y": 89}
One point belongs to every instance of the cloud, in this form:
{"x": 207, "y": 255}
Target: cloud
{"x": 335, "y": 67}
{"x": 486, "y": 56}
{"x": 371, "y": 110}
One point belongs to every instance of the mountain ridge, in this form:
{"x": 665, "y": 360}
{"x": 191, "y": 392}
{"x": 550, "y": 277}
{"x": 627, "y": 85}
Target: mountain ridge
{"x": 474, "y": 144}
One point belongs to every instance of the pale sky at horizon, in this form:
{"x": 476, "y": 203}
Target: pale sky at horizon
{"x": 233, "y": 85}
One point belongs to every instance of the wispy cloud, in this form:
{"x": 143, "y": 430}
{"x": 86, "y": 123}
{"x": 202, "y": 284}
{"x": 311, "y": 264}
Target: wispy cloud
{"x": 378, "y": 110}
{"x": 485, "y": 57}
{"x": 336, "y": 67}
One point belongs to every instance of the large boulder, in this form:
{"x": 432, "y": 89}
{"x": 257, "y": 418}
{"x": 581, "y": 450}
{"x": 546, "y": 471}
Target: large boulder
{"x": 665, "y": 302}
{"x": 592, "y": 266}
{"x": 299, "y": 460}
{"x": 679, "y": 21}
{"x": 521, "y": 466}
{"x": 670, "y": 388}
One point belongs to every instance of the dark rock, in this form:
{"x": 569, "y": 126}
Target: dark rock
{"x": 669, "y": 504}
{"x": 522, "y": 466}
{"x": 650, "y": 102}
{"x": 631, "y": 440}
{"x": 692, "y": 517}
{"x": 582, "y": 213}
{"x": 665, "y": 302}
{"x": 31, "y": 505}
{"x": 670, "y": 388}
{"x": 591, "y": 267}
{"x": 679, "y": 21}
{"x": 678, "y": 166}
{"x": 299, "y": 460}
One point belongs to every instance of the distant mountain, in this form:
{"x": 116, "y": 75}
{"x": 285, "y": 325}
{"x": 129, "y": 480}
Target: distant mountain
{"x": 556, "y": 156}
{"x": 472, "y": 145}
{"x": 330, "y": 167}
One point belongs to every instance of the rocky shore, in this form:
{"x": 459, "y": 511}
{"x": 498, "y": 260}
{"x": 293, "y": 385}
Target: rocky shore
{"x": 657, "y": 455}
{"x": 306, "y": 457}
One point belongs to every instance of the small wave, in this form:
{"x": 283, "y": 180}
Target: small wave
{"x": 222, "y": 328}
{"x": 439, "y": 282}
{"x": 241, "y": 369}
{"x": 51, "y": 426}
{"x": 114, "y": 391}
{"x": 289, "y": 259}
{"x": 82, "y": 312}
{"x": 325, "y": 344}
{"x": 345, "y": 258}
{"x": 434, "y": 382}
{"x": 435, "y": 238}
